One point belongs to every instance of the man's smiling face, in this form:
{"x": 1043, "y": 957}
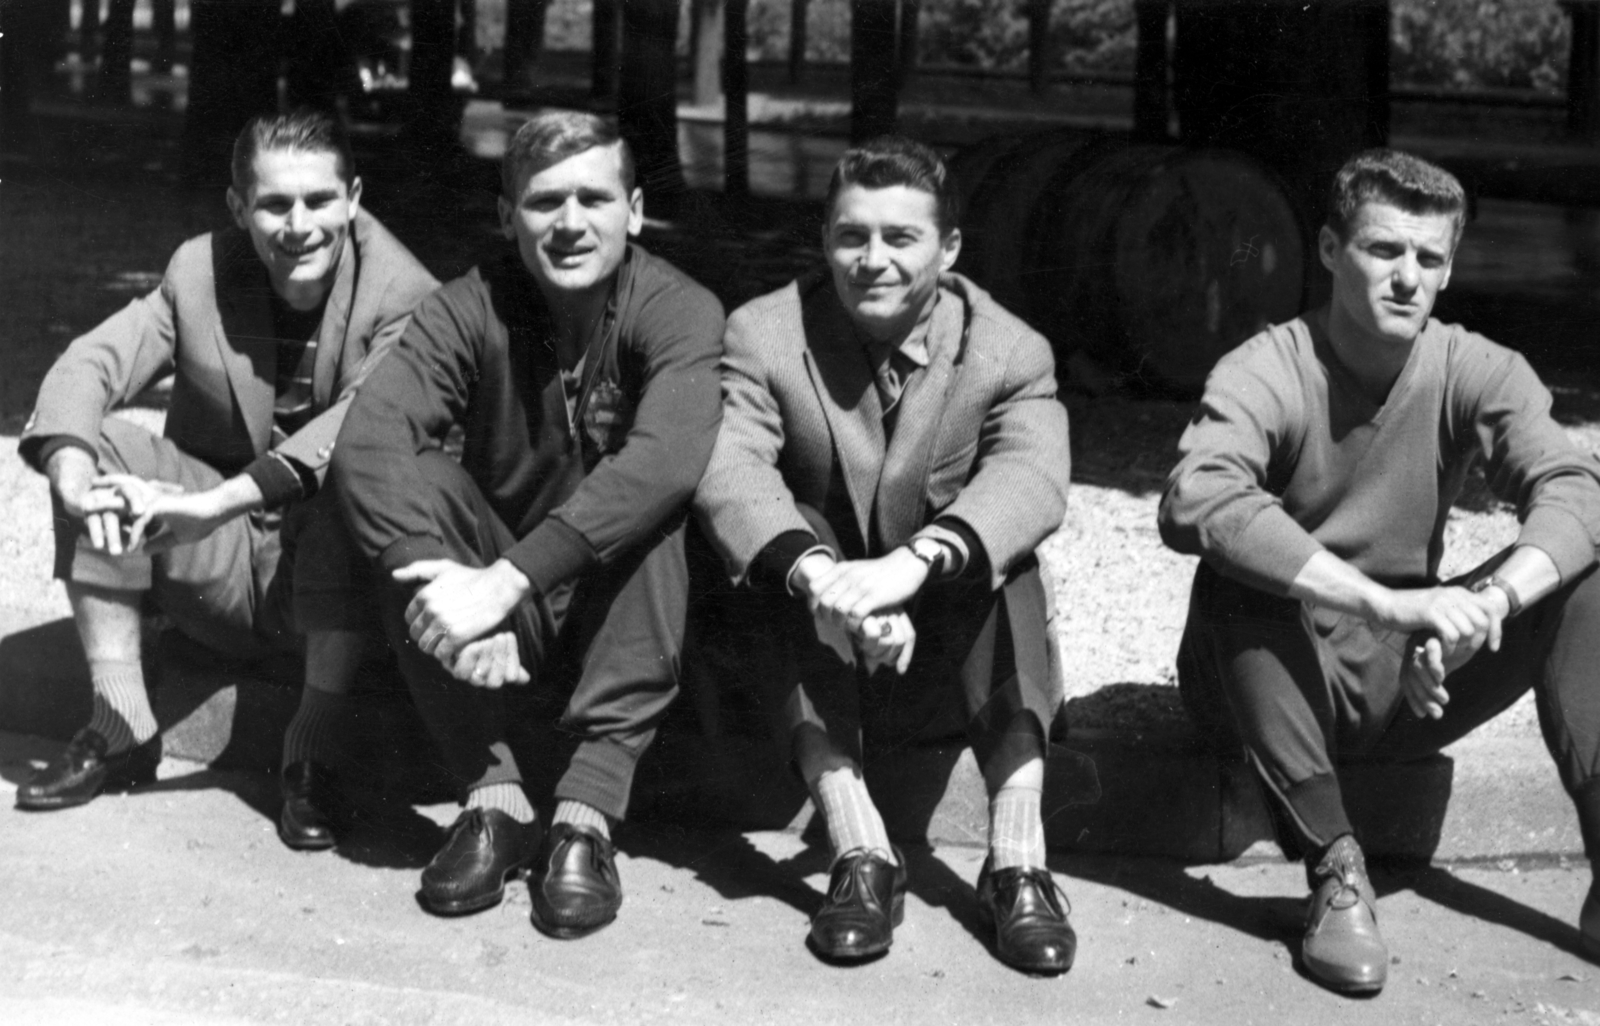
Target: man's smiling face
{"x": 1388, "y": 271}
{"x": 297, "y": 211}
{"x": 571, "y": 221}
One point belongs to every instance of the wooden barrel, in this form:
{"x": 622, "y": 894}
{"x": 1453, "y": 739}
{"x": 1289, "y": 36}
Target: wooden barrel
{"x": 1155, "y": 260}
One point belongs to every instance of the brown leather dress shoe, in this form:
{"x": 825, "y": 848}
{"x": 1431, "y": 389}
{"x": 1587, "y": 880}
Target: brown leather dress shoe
{"x": 1342, "y": 948}
{"x": 578, "y": 890}
{"x": 865, "y": 902}
{"x": 83, "y": 770}
{"x": 310, "y": 806}
{"x": 486, "y": 847}
{"x": 1029, "y": 915}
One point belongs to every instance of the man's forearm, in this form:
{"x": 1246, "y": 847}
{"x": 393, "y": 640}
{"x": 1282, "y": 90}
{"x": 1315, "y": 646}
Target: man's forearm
{"x": 1328, "y": 581}
{"x": 1531, "y": 573}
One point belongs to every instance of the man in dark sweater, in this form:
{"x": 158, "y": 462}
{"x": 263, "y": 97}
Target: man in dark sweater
{"x": 266, "y": 328}
{"x": 583, "y": 373}
{"x": 1315, "y": 483}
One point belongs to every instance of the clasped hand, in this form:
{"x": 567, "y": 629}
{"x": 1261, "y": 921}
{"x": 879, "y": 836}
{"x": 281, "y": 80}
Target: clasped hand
{"x": 1448, "y": 625}
{"x": 164, "y": 515}
{"x": 858, "y": 605}
{"x": 452, "y": 615}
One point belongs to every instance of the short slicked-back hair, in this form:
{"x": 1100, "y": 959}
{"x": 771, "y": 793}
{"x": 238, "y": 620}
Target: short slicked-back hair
{"x": 547, "y": 139}
{"x": 1399, "y": 179}
{"x": 892, "y": 160}
{"x": 309, "y": 131}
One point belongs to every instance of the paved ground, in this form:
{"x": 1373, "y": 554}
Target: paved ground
{"x": 177, "y": 905}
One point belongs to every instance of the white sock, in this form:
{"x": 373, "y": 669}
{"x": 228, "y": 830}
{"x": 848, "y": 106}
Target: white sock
{"x": 853, "y": 821}
{"x": 507, "y": 797}
{"x": 1016, "y": 828}
{"x": 582, "y": 815}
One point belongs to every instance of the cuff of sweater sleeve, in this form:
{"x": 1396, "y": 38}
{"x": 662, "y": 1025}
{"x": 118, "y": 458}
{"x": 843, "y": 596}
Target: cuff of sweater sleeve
{"x": 408, "y": 550}
{"x": 775, "y": 562}
{"x": 277, "y": 480}
{"x": 972, "y": 557}
{"x": 552, "y": 554}
{"x": 1271, "y": 551}
{"x": 1562, "y": 537}
{"x": 38, "y": 455}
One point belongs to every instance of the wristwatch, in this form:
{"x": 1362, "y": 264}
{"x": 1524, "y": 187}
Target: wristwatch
{"x": 931, "y": 553}
{"x": 1513, "y": 600}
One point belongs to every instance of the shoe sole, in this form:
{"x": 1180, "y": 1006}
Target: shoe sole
{"x": 467, "y": 906}
{"x": 305, "y": 845}
{"x": 562, "y": 932}
{"x": 897, "y": 916}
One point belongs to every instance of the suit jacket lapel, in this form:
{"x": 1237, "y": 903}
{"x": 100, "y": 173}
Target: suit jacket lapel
{"x": 335, "y": 326}
{"x": 902, "y": 491}
{"x": 246, "y": 344}
{"x": 849, "y": 398}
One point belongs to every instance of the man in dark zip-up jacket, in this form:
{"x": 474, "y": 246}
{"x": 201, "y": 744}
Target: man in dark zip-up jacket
{"x": 583, "y": 374}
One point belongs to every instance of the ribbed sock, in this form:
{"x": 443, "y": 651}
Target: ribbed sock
{"x": 579, "y": 814}
{"x": 507, "y": 797}
{"x": 1016, "y": 829}
{"x": 311, "y": 733}
{"x": 121, "y": 712}
{"x": 853, "y": 821}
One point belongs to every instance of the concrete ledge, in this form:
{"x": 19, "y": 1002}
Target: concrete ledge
{"x": 1119, "y": 790}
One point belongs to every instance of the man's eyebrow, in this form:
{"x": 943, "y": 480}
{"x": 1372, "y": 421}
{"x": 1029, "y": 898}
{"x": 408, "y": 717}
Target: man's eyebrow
{"x": 319, "y": 196}
{"x": 581, "y": 191}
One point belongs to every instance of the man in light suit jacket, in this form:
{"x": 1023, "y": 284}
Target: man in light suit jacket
{"x": 268, "y": 328}
{"x": 891, "y": 453}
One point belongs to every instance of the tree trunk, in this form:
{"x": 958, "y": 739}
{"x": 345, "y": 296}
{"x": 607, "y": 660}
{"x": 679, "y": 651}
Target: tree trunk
{"x": 707, "y": 41}
{"x": 736, "y": 91}
{"x": 234, "y": 77}
{"x": 88, "y": 31}
{"x": 1039, "y": 63}
{"x": 320, "y": 67}
{"x": 910, "y": 12}
{"x": 114, "y": 86}
{"x": 874, "y": 66}
{"x": 647, "y": 108}
{"x": 797, "y": 40}
{"x": 23, "y": 23}
{"x": 524, "y": 40}
{"x": 607, "y": 70}
{"x": 433, "y": 115}
{"x": 1152, "y": 102}
{"x": 164, "y": 22}
{"x": 1300, "y": 87}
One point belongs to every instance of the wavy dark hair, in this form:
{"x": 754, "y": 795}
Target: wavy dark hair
{"x": 895, "y": 160}
{"x": 1397, "y": 178}
{"x": 306, "y": 130}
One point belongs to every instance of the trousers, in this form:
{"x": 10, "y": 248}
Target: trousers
{"x": 253, "y": 586}
{"x": 1304, "y": 687}
{"x": 604, "y": 653}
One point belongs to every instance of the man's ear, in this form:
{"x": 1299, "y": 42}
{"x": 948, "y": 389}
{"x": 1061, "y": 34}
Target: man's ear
{"x": 355, "y": 196}
{"x": 507, "y": 212}
{"x": 950, "y": 247}
{"x": 636, "y": 211}
{"x": 1328, "y": 246}
{"x": 239, "y": 210}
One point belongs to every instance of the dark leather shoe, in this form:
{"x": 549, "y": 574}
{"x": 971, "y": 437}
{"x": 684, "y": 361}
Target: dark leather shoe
{"x": 577, "y": 890}
{"x": 486, "y": 848}
{"x": 866, "y": 901}
{"x": 83, "y": 770}
{"x": 311, "y": 802}
{"x": 1342, "y": 948}
{"x": 1029, "y": 915}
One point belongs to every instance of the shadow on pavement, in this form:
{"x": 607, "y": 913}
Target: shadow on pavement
{"x": 1444, "y": 888}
